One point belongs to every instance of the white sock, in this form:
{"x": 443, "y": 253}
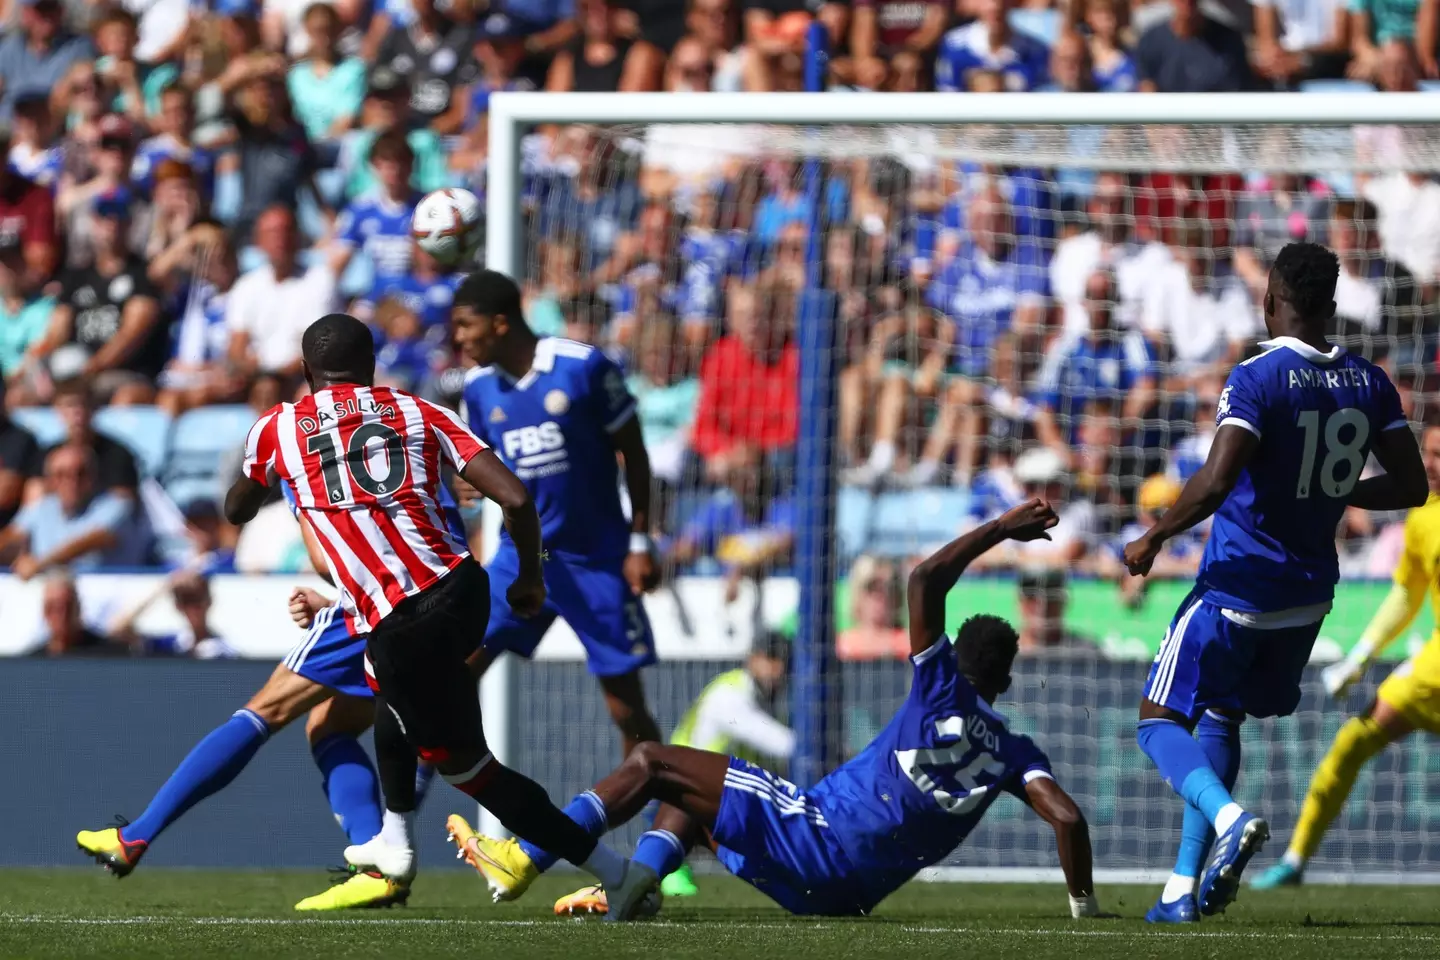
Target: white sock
{"x": 882, "y": 456}
{"x": 395, "y": 829}
{"x": 1227, "y": 816}
{"x": 605, "y": 865}
{"x": 1177, "y": 888}
{"x": 923, "y": 472}
{"x": 1293, "y": 859}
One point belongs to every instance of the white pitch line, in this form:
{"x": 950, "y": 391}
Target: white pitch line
{"x": 317, "y": 922}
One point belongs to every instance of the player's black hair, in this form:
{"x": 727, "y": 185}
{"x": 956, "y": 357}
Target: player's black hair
{"x": 338, "y": 347}
{"x": 985, "y": 649}
{"x": 490, "y": 293}
{"x": 1309, "y": 272}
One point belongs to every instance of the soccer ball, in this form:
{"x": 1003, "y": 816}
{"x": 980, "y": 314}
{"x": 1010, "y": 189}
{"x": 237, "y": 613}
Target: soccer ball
{"x": 446, "y": 225}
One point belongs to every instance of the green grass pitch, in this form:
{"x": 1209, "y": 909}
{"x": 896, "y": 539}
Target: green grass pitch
{"x": 160, "y": 914}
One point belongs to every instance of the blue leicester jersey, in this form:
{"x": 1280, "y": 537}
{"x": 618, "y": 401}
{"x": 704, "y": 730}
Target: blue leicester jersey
{"x": 1272, "y": 545}
{"x": 380, "y": 227}
{"x": 552, "y": 428}
{"x": 918, "y": 790}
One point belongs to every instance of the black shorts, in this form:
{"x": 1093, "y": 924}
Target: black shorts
{"x": 418, "y": 653}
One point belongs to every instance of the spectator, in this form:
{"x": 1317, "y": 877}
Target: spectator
{"x": 896, "y": 36}
{"x": 273, "y": 159}
{"x": 587, "y": 204}
{"x": 1201, "y": 316}
{"x": 173, "y": 139}
{"x": 1373, "y": 25}
{"x": 547, "y": 25}
{"x": 110, "y": 312}
{"x": 34, "y": 58}
{"x": 748, "y": 407}
{"x": 1179, "y": 559}
{"x": 101, "y": 171}
{"x": 115, "y": 471}
{"x": 557, "y": 282}
{"x": 271, "y": 306}
{"x": 1109, "y": 244}
{"x": 775, "y": 37}
{"x": 377, "y": 224}
{"x": 34, "y": 153}
{"x": 904, "y": 363}
{"x": 326, "y": 87}
{"x": 499, "y": 52}
{"x": 20, "y": 462}
{"x": 1070, "y": 67}
{"x": 190, "y": 593}
{"x": 404, "y": 359}
{"x": 712, "y": 23}
{"x": 747, "y": 527}
{"x": 994, "y": 290}
{"x": 1192, "y": 53}
{"x": 1284, "y": 208}
{"x": 198, "y": 270}
{"x": 1378, "y": 303}
{"x": 65, "y": 633}
{"x": 1299, "y": 40}
{"x": 176, "y": 207}
{"x": 1107, "y": 366}
{"x": 1107, "y": 22}
{"x": 74, "y": 526}
{"x": 434, "y": 54}
{"x": 24, "y": 313}
{"x": 596, "y": 61}
{"x": 691, "y": 67}
{"x": 426, "y": 290}
{"x": 137, "y": 85}
{"x": 990, "y": 44}
{"x": 1407, "y": 203}
{"x": 27, "y": 219}
{"x": 386, "y": 109}
{"x": 665, "y": 398}
{"x": 876, "y": 630}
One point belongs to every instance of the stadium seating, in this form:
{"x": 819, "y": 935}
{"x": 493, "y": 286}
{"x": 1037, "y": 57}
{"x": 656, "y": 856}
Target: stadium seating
{"x": 199, "y": 444}
{"x": 145, "y": 430}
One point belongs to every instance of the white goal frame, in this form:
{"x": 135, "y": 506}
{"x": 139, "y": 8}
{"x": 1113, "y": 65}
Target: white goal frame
{"x": 512, "y": 114}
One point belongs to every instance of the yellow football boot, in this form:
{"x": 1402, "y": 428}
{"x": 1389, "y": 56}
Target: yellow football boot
{"x": 110, "y": 850}
{"x": 505, "y": 867}
{"x": 361, "y": 891}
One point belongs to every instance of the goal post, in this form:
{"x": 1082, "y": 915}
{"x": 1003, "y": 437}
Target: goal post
{"x": 1212, "y": 134}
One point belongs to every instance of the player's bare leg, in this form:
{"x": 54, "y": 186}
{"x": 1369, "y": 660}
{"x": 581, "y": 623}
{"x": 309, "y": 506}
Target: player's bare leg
{"x": 1360, "y": 739}
{"x": 625, "y": 699}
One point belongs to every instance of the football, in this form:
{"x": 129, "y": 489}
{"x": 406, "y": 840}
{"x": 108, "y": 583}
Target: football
{"x": 446, "y": 225}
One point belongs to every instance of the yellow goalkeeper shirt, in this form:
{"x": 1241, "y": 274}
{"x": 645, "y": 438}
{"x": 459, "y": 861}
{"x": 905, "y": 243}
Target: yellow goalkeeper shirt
{"x": 1419, "y": 568}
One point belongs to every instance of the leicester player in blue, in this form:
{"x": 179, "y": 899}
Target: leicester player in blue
{"x": 904, "y": 803}
{"x": 1295, "y": 427}
{"x": 557, "y": 412}
{"x": 324, "y": 676}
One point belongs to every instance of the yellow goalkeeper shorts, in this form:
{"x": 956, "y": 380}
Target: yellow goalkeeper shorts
{"x": 1413, "y": 689}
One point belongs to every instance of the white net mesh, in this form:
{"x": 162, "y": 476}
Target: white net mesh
{"x": 1038, "y": 309}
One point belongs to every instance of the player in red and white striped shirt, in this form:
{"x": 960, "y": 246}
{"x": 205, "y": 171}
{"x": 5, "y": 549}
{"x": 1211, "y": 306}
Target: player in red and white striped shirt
{"x": 366, "y": 465}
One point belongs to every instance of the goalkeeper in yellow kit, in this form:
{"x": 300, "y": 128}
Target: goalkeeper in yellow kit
{"x": 1408, "y": 700}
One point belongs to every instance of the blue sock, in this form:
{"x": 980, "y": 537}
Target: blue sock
{"x": 1219, "y": 738}
{"x": 1184, "y": 765}
{"x": 661, "y": 851}
{"x": 424, "y": 773}
{"x": 350, "y": 784}
{"x": 586, "y": 810}
{"x": 206, "y": 769}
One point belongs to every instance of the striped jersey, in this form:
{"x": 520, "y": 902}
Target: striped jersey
{"x": 366, "y": 463}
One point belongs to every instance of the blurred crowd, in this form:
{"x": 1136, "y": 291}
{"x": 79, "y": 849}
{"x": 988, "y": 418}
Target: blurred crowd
{"x": 190, "y": 182}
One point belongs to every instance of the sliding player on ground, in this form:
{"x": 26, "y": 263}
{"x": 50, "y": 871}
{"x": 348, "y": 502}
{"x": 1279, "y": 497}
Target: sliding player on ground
{"x": 323, "y": 674}
{"x": 366, "y": 465}
{"x": 1296, "y": 424}
{"x": 1408, "y": 700}
{"x": 558, "y": 412}
{"x": 905, "y": 802}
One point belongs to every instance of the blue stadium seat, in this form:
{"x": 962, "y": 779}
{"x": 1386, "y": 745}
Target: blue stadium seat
{"x": 1335, "y": 86}
{"x": 1430, "y": 86}
{"x": 898, "y": 523}
{"x": 43, "y": 422}
{"x": 1043, "y": 25}
{"x": 145, "y": 430}
{"x": 201, "y": 443}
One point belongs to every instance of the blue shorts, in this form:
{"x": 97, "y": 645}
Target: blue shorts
{"x": 331, "y": 655}
{"x": 773, "y": 837}
{"x": 1211, "y": 662}
{"x": 593, "y": 598}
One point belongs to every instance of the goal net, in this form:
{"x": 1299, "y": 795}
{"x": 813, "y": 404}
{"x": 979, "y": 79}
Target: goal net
{"x": 928, "y": 321}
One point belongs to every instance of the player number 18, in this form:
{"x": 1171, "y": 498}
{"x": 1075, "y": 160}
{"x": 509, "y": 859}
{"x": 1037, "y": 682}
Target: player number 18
{"x": 1349, "y": 452}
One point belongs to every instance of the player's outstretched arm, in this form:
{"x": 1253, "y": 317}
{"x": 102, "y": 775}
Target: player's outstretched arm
{"x": 1403, "y": 483}
{"x": 244, "y": 500}
{"x": 933, "y": 577}
{"x": 1202, "y": 496}
{"x": 1072, "y": 841}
